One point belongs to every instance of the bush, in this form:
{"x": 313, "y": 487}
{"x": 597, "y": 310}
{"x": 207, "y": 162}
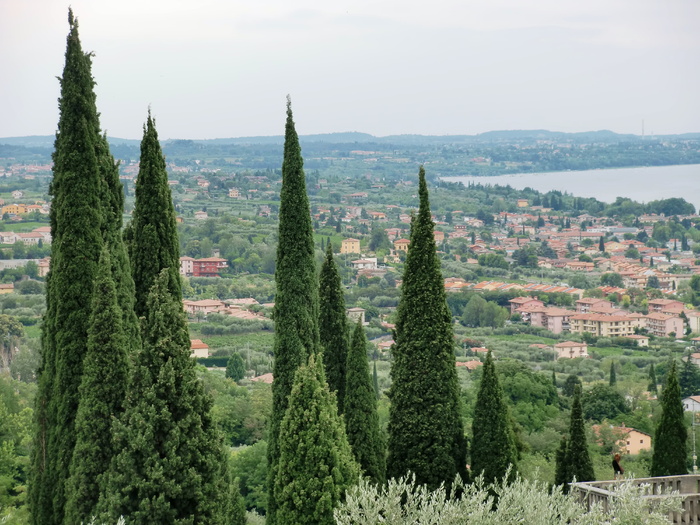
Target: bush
{"x": 522, "y": 501}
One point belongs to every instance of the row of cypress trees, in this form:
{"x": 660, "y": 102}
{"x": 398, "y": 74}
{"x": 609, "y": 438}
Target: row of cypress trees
{"x": 123, "y": 426}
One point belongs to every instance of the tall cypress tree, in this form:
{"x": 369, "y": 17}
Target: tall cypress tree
{"x": 113, "y": 205}
{"x": 153, "y": 229}
{"x": 601, "y": 245}
{"x": 316, "y": 464}
{"x": 493, "y": 448}
{"x": 296, "y": 310}
{"x": 613, "y": 376}
{"x": 652, "y": 380}
{"x": 670, "y": 454}
{"x": 105, "y": 372}
{"x": 76, "y": 218}
{"x": 333, "y": 326}
{"x": 561, "y": 475}
{"x": 361, "y": 418}
{"x": 426, "y": 434}
{"x": 170, "y": 467}
{"x": 578, "y": 460}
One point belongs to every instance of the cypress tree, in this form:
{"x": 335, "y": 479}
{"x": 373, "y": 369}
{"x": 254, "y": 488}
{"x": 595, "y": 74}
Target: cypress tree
{"x": 361, "y": 418}
{"x": 561, "y": 475}
{"x": 426, "y": 434}
{"x": 296, "y": 310}
{"x": 493, "y": 445}
{"x": 76, "y": 218}
{"x": 578, "y": 460}
{"x": 153, "y": 229}
{"x": 652, "y": 380}
{"x": 670, "y": 455}
{"x": 316, "y": 464}
{"x": 113, "y": 204}
{"x": 333, "y": 326}
{"x": 613, "y": 376}
{"x": 375, "y": 380}
{"x": 105, "y": 372}
{"x": 689, "y": 378}
{"x": 171, "y": 467}
{"x": 601, "y": 245}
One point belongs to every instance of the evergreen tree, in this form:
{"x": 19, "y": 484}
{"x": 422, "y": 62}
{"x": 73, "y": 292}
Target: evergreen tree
{"x": 153, "y": 229}
{"x": 76, "y": 219}
{"x": 561, "y": 475}
{"x": 235, "y": 367}
{"x": 315, "y": 465}
{"x": 424, "y": 393}
{"x": 333, "y": 326}
{"x": 689, "y": 378}
{"x": 296, "y": 311}
{"x": 113, "y": 202}
{"x": 601, "y": 245}
{"x": 670, "y": 455}
{"x": 171, "y": 466}
{"x": 105, "y": 372}
{"x": 578, "y": 460}
{"x": 375, "y": 380}
{"x": 361, "y": 418}
{"x": 652, "y": 380}
{"x": 613, "y": 376}
{"x": 493, "y": 444}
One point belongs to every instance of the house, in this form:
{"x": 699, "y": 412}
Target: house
{"x": 571, "y": 350}
{"x": 370, "y": 263}
{"x": 7, "y": 287}
{"x": 629, "y": 440}
{"x": 234, "y": 193}
{"x": 356, "y": 314}
{"x": 439, "y": 236}
{"x": 522, "y": 203}
{"x": 469, "y": 365}
{"x": 520, "y": 302}
{"x": 207, "y": 267}
{"x": 205, "y": 306}
{"x": 691, "y": 404}
{"x": 198, "y": 348}
{"x": 665, "y": 305}
{"x": 14, "y": 209}
{"x": 44, "y": 265}
{"x": 385, "y": 345}
{"x": 663, "y": 325}
{"x": 602, "y": 325}
{"x": 583, "y": 305}
{"x": 350, "y": 246}
{"x": 264, "y": 378}
{"x": 201, "y": 215}
{"x": 17, "y": 194}
{"x": 641, "y": 340}
{"x": 401, "y": 245}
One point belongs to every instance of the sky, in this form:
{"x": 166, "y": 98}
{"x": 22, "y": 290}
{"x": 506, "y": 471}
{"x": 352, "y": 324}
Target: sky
{"x": 222, "y": 68}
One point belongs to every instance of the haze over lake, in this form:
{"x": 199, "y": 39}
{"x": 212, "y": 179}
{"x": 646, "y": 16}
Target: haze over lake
{"x": 639, "y": 184}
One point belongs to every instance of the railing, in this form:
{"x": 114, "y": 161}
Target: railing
{"x": 597, "y": 493}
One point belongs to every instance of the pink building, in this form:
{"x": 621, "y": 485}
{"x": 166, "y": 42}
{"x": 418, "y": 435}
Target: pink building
{"x": 523, "y": 302}
{"x": 663, "y": 325}
{"x": 571, "y": 350}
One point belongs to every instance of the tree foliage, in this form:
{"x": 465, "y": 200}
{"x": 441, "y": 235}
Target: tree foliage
{"x": 424, "y": 393}
{"x": 296, "y": 311}
{"x": 670, "y": 454}
{"x": 333, "y": 326}
{"x": 316, "y": 465}
{"x": 76, "y": 218}
{"x": 361, "y": 418}
{"x": 171, "y": 467}
{"x": 153, "y": 229}
{"x": 102, "y": 391}
{"x": 493, "y": 449}
{"x": 578, "y": 462}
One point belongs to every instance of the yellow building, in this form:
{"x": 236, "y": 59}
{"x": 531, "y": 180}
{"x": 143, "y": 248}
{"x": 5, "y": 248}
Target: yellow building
{"x": 350, "y": 246}
{"x": 14, "y": 209}
{"x": 603, "y": 325}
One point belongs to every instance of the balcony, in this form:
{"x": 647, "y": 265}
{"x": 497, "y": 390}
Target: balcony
{"x": 598, "y": 493}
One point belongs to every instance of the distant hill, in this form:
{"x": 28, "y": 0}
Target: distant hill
{"x": 352, "y": 137}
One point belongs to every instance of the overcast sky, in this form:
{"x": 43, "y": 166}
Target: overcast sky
{"x": 222, "y": 68}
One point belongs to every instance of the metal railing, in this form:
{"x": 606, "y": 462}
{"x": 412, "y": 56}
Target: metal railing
{"x": 593, "y": 493}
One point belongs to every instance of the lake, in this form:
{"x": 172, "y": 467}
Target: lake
{"x": 639, "y": 184}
